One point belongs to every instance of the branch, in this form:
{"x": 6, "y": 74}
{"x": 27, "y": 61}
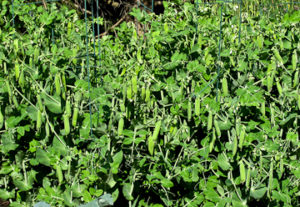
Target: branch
{"x": 112, "y": 27}
{"x": 78, "y": 7}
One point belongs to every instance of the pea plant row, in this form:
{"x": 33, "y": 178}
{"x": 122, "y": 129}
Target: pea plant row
{"x": 158, "y": 119}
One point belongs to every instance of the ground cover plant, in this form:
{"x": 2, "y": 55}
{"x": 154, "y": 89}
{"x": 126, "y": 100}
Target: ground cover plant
{"x": 143, "y": 117}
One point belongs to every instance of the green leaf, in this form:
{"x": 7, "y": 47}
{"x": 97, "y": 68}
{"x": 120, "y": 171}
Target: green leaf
{"x": 293, "y": 137}
{"x": 193, "y": 66}
{"x": 225, "y": 53}
{"x": 4, "y": 194}
{"x": 59, "y": 147}
{"x": 117, "y": 160}
{"x": 8, "y": 143}
{"x": 87, "y": 196}
{"x": 5, "y": 168}
{"x": 115, "y": 194}
{"x": 211, "y": 195}
{"x": 209, "y": 204}
{"x": 53, "y": 103}
{"x": 285, "y": 198}
{"x": 22, "y": 185}
{"x": 32, "y": 112}
{"x": 150, "y": 145}
{"x": 110, "y": 180}
{"x": 67, "y": 196}
{"x": 296, "y": 172}
{"x": 43, "y": 157}
{"x": 13, "y": 121}
{"x": 223, "y": 162}
{"x": 127, "y": 191}
{"x": 77, "y": 189}
{"x": 223, "y": 202}
{"x": 258, "y": 193}
{"x": 167, "y": 183}
{"x": 237, "y": 203}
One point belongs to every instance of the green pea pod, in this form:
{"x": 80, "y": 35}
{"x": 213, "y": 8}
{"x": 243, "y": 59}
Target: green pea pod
{"x": 189, "y": 110}
{"x": 242, "y": 137}
{"x": 8, "y": 88}
{"x": 147, "y": 98}
{"x": 39, "y": 120}
{"x": 238, "y": 126}
{"x": 63, "y": 80}
{"x": 212, "y": 143}
{"x": 278, "y": 56}
{"x": 17, "y": 71}
{"x": 281, "y": 168}
{"x": 216, "y": 124}
{"x": 294, "y": 60}
{"x": 272, "y": 115}
{"x": 22, "y": 80}
{"x": 281, "y": 44}
{"x": 232, "y": 61}
{"x": 139, "y": 56}
{"x": 156, "y": 130}
{"x": 31, "y": 62}
{"x": 263, "y": 108}
{"x": 122, "y": 106}
{"x": 120, "y": 126}
{"x": 68, "y": 108}
{"x": 151, "y": 144}
{"x": 166, "y": 28}
{"x": 66, "y": 124}
{"x": 39, "y": 100}
{"x": 36, "y": 54}
{"x": 63, "y": 94}
{"x": 270, "y": 186}
{"x": 143, "y": 94}
{"x": 271, "y": 67}
{"x": 69, "y": 28}
{"x": 47, "y": 129}
{"x": 16, "y": 45}
{"x": 235, "y": 145}
{"x": 74, "y": 60}
{"x": 15, "y": 101}
{"x": 155, "y": 111}
{"x": 279, "y": 88}
{"x": 134, "y": 35}
{"x": 128, "y": 112}
{"x": 242, "y": 172}
{"x": 129, "y": 93}
{"x": 59, "y": 173}
{"x": 260, "y": 41}
{"x": 296, "y": 79}
{"x": 57, "y": 84}
{"x": 209, "y": 121}
{"x": 270, "y": 82}
{"x": 110, "y": 123}
{"x": 225, "y": 86}
{"x": 197, "y": 106}
{"x": 5, "y": 68}
{"x": 75, "y": 116}
{"x": 1, "y": 119}
{"x": 134, "y": 84}
{"x": 248, "y": 178}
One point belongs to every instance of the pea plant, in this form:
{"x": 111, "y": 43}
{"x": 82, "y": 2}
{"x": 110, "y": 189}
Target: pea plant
{"x": 173, "y": 117}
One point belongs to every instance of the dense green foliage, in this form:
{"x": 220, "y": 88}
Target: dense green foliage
{"x": 159, "y": 135}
